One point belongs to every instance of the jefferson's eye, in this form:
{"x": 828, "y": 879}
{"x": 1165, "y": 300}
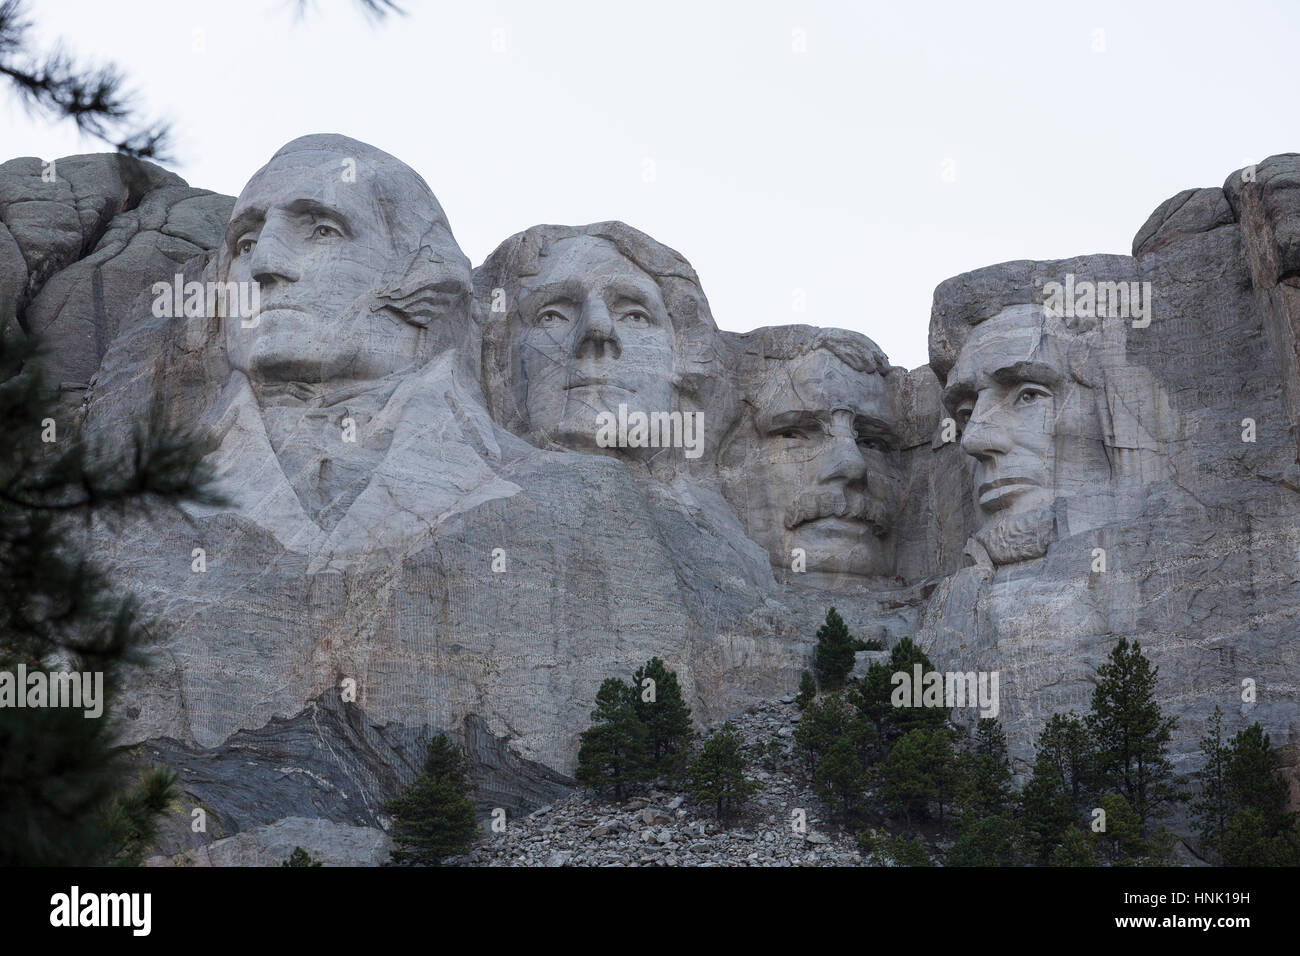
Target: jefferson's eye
{"x": 636, "y": 317}
{"x": 244, "y": 246}
{"x": 324, "y": 231}
{"x": 550, "y": 317}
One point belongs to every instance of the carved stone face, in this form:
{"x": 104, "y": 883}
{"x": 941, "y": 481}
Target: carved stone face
{"x": 1005, "y": 394}
{"x": 595, "y": 333}
{"x": 825, "y": 479}
{"x": 322, "y": 249}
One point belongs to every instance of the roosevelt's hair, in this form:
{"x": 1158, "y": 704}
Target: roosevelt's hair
{"x": 788, "y": 342}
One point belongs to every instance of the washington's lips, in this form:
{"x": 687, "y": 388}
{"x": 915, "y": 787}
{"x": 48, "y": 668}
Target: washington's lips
{"x": 1000, "y": 491}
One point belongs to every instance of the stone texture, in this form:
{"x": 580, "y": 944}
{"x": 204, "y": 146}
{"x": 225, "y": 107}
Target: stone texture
{"x": 420, "y": 510}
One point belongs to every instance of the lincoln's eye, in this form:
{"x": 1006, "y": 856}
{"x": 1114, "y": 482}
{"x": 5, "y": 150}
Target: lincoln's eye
{"x": 244, "y": 247}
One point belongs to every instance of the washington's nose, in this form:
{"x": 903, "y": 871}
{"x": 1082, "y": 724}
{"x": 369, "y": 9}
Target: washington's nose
{"x": 272, "y": 260}
{"x": 983, "y": 437}
{"x": 596, "y": 334}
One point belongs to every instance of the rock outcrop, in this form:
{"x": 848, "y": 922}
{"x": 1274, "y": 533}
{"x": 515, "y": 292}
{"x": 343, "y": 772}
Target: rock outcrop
{"x": 458, "y": 499}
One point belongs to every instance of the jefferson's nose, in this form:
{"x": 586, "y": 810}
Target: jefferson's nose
{"x": 596, "y": 333}
{"x": 983, "y": 437}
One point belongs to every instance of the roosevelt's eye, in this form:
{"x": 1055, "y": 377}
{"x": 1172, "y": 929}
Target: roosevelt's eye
{"x": 549, "y": 318}
{"x": 245, "y": 245}
{"x": 794, "y": 432}
{"x": 326, "y": 231}
{"x": 874, "y": 442}
{"x": 1030, "y": 394}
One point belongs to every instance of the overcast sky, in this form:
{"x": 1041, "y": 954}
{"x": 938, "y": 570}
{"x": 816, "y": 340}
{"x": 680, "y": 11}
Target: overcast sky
{"x": 861, "y": 153}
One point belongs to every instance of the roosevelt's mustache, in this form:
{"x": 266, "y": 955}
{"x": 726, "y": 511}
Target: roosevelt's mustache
{"x": 838, "y": 503}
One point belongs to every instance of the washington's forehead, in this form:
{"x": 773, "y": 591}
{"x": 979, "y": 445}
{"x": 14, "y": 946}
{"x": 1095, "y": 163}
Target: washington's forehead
{"x": 323, "y": 180}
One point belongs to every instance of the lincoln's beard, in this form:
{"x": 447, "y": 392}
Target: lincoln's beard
{"x": 1019, "y": 537}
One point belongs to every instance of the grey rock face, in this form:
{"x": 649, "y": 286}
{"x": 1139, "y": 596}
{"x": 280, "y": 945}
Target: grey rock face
{"x": 427, "y": 532}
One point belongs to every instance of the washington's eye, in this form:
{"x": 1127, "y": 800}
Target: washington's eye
{"x": 636, "y": 317}
{"x": 550, "y": 317}
{"x": 245, "y": 245}
{"x": 1031, "y": 394}
{"x": 325, "y": 231}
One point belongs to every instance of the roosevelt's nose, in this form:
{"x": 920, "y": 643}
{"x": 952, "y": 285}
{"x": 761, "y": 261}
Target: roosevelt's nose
{"x": 984, "y": 436}
{"x": 843, "y": 460}
{"x": 596, "y": 336}
{"x": 273, "y": 261}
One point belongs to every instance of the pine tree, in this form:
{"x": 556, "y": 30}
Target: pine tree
{"x": 434, "y": 817}
{"x": 824, "y": 722}
{"x": 921, "y": 770}
{"x": 1132, "y": 735}
{"x": 841, "y": 778}
{"x": 1121, "y": 841}
{"x": 1261, "y": 831}
{"x": 717, "y": 776}
{"x": 299, "y": 857}
{"x": 807, "y": 690}
{"x": 1073, "y": 850}
{"x": 875, "y": 696}
{"x": 614, "y": 751}
{"x": 667, "y": 719}
{"x": 1068, "y": 748}
{"x": 993, "y": 840}
{"x": 67, "y": 797}
{"x": 1211, "y": 808}
{"x": 833, "y": 659}
{"x": 1047, "y": 804}
{"x": 987, "y": 787}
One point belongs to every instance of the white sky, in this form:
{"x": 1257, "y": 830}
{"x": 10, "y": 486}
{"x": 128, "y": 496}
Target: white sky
{"x": 774, "y": 170}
